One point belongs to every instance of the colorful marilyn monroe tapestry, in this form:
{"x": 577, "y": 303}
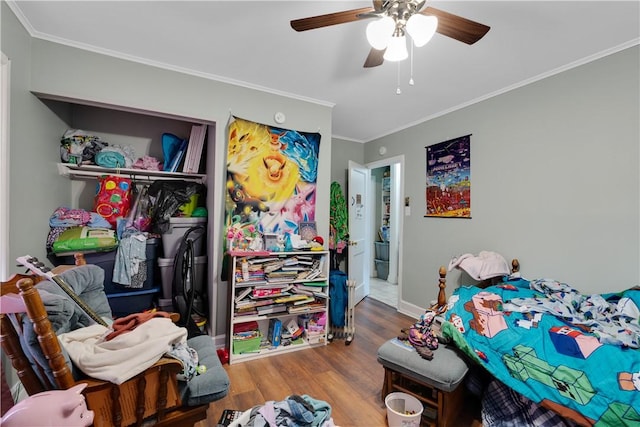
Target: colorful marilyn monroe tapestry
{"x": 449, "y": 178}
{"x": 271, "y": 178}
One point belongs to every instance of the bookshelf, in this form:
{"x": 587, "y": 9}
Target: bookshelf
{"x": 277, "y": 291}
{"x": 386, "y": 201}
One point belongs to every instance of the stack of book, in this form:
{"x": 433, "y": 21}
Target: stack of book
{"x": 269, "y": 285}
{"x": 256, "y": 274}
{"x": 249, "y": 307}
{"x": 317, "y": 289}
{"x": 262, "y": 300}
{"x": 275, "y": 270}
{"x": 281, "y": 276}
{"x": 307, "y": 306}
{"x": 195, "y": 148}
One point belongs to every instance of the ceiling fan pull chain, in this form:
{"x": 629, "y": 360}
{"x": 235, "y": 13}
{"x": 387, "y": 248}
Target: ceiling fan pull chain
{"x": 411, "y": 72}
{"x": 398, "y": 91}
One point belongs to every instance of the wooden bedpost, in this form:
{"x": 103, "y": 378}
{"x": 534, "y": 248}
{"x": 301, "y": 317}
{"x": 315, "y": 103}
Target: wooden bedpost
{"x": 515, "y": 266}
{"x": 442, "y": 296}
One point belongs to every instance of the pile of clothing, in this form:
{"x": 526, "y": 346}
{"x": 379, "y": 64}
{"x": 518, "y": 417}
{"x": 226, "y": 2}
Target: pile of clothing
{"x": 294, "y": 410}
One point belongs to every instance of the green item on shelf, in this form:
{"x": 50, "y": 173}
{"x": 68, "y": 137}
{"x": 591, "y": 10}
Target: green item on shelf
{"x": 247, "y": 345}
{"x": 85, "y": 239}
{"x": 199, "y": 212}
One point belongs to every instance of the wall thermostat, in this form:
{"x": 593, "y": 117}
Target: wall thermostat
{"x": 279, "y": 117}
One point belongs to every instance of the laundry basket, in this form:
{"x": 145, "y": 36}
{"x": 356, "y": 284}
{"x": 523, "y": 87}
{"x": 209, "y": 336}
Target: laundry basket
{"x": 403, "y": 410}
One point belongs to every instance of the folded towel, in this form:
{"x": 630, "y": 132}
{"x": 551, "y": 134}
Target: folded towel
{"x": 110, "y": 159}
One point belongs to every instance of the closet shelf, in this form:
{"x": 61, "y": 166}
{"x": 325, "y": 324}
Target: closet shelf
{"x": 91, "y": 172}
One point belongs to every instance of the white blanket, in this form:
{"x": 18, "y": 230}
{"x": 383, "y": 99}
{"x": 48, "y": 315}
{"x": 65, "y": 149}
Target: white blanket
{"x": 126, "y": 355}
{"x": 485, "y": 265}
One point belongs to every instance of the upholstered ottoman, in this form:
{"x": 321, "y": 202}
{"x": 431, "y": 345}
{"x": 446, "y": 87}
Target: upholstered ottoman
{"x": 210, "y": 386}
{"x": 434, "y": 382}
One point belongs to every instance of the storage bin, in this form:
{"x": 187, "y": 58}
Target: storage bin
{"x": 125, "y": 303}
{"x": 247, "y": 345}
{"x": 382, "y": 269}
{"x": 107, "y": 260}
{"x": 403, "y": 410}
{"x": 178, "y": 226}
{"x": 166, "y": 274}
{"x": 382, "y": 251}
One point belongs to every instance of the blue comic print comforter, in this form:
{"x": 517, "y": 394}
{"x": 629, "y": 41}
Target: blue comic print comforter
{"x": 577, "y": 355}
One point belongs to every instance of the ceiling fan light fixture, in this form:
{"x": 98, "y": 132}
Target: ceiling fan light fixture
{"x": 380, "y": 31}
{"x": 396, "y": 49}
{"x": 421, "y": 28}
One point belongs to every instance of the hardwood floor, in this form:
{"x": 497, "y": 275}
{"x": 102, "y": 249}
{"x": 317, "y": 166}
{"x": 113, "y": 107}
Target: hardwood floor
{"x": 349, "y": 378}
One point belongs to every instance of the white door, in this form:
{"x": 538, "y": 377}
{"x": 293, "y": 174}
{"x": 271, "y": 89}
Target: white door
{"x": 358, "y": 258}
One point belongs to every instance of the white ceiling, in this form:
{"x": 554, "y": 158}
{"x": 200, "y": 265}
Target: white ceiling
{"x": 251, "y": 43}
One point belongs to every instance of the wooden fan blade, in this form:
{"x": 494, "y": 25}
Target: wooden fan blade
{"x": 320, "y": 21}
{"x": 457, "y": 27}
{"x": 375, "y": 58}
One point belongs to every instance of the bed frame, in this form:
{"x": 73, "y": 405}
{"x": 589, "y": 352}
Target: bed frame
{"x": 442, "y": 407}
{"x": 441, "y": 303}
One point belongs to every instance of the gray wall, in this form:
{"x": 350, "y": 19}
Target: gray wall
{"x": 66, "y": 72}
{"x": 555, "y": 182}
{"x": 342, "y": 152}
{"x": 35, "y": 186}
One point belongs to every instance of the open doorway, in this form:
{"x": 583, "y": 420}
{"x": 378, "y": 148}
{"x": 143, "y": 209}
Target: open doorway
{"x": 385, "y": 210}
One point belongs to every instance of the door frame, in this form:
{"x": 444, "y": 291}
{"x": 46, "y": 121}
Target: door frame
{"x": 5, "y": 75}
{"x": 397, "y": 211}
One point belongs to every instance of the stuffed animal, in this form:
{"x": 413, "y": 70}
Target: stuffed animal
{"x": 51, "y": 409}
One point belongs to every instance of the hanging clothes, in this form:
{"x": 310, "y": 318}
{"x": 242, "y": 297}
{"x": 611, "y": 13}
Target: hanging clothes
{"x": 338, "y": 297}
{"x": 338, "y": 219}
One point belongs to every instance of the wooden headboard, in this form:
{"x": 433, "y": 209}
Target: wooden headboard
{"x": 441, "y": 303}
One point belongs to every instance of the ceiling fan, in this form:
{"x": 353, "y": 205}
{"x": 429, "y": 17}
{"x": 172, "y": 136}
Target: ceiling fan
{"x": 395, "y": 18}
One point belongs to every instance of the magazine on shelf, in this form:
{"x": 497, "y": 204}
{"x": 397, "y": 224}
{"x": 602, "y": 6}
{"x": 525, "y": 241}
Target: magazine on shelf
{"x": 243, "y": 293}
{"x": 270, "y": 309}
{"x": 179, "y": 156}
{"x": 306, "y": 300}
{"x": 194, "y": 152}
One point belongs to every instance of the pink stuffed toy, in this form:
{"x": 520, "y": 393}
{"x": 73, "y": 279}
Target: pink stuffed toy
{"x": 51, "y": 409}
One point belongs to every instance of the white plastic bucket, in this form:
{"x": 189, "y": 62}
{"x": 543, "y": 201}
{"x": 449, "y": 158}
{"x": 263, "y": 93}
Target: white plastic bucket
{"x": 403, "y": 410}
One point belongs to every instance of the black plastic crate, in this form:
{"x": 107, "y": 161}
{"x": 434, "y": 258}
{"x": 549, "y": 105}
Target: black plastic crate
{"x": 125, "y": 303}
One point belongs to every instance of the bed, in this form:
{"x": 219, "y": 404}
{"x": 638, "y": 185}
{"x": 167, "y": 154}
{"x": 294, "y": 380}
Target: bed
{"x": 566, "y": 353}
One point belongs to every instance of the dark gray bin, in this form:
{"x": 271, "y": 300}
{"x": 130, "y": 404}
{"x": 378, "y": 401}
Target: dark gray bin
{"x": 382, "y": 268}
{"x": 382, "y": 251}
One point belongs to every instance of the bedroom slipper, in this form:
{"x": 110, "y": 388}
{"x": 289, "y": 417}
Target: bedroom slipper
{"x": 424, "y": 352}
